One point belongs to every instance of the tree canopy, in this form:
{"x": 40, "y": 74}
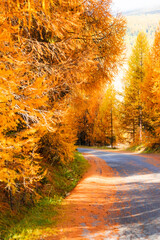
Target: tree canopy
{"x": 55, "y": 55}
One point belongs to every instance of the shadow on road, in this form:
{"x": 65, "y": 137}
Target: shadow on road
{"x": 117, "y": 200}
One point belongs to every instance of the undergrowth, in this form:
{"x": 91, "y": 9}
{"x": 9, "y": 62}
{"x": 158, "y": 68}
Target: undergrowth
{"x": 29, "y": 223}
{"x": 150, "y": 148}
{"x": 98, "y": 147}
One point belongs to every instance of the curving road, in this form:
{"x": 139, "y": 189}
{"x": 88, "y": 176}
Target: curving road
{"x": 136, "y": 212}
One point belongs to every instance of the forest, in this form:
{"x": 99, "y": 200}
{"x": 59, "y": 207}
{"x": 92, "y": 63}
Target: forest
{"x": 58, "y": 62}
{"x": 141, "y": 21}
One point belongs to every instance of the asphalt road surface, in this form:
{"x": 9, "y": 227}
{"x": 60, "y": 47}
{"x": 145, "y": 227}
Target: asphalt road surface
{"x": 136, "y": 211}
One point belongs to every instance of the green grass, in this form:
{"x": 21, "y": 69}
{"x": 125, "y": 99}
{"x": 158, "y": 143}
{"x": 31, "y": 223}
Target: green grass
{"x": 35, "y": 220}
{"x": 135, "y": 148}
{"x": 152, "y": 148}
{"x": 30, "y": 224}
{"x": 98, "y": 147}
{"x": 66, "y": 177}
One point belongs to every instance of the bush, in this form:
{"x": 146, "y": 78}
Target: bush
{"x": 57, "y": 147}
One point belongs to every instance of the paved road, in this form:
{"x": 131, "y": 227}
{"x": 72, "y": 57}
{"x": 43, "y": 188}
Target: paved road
{"x": 137, "y": 209}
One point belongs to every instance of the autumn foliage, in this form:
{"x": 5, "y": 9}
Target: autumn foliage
{"x": 140, "y": 108}
{"x": 54, "y": 56}
{"x": 151, "y": 89}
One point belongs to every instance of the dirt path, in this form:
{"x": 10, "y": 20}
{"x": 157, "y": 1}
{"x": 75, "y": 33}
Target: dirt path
{"x": 85, "y": 211}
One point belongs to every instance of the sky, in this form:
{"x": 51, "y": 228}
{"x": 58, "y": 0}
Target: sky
{"x": 126, "y": 5}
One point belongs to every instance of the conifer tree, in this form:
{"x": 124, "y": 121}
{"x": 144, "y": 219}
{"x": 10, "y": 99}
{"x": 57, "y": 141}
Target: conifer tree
{"x": 53, "y": 53}
{"x": 104, "y": 129}
{"x": 151, "y": 90}
{"x": 133, "y": 112}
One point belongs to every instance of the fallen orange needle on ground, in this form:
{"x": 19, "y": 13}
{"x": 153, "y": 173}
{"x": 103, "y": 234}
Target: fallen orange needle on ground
{"x": 84, "y": 213}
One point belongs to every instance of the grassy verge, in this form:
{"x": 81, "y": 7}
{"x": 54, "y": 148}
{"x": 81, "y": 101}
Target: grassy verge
{"x": 98, "y": 147}
{"x": 153, "y": 148}
{"x": 135, "y": 148}
{"x": 31, "y": 223}
{"x": 141, "y": 148}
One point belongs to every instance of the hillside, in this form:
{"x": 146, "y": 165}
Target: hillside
{"x": 143, "y": 11}
{"x": 145, "y": 20}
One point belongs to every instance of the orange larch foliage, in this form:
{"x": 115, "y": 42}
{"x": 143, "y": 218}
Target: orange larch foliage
{"x": 52, "y": 54}
{"x": 151, "y": 89}
{"x": 133, "y": 114}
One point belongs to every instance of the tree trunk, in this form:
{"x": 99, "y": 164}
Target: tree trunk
{"x": 133, "y": 131}
{"x": 11, "y": 199}
{"x": 111, "y": 128}
{"x": 140, "y": 125}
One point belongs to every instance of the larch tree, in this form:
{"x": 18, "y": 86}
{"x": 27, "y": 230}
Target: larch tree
{"x": 104, "y": 133}
{"x": 107, "y": 127}
{"x": 54, "y": 56}
{"x": 133, "y": 113}
{"x": 151, "y": 90}
{"x": 40, "y": 58}
{"x": 106, "y": 31}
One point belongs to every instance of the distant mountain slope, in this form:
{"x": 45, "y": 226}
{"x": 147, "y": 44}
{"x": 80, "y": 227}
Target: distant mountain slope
{"x": 143, "y": 11}
{"x": 146, "y": 20}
